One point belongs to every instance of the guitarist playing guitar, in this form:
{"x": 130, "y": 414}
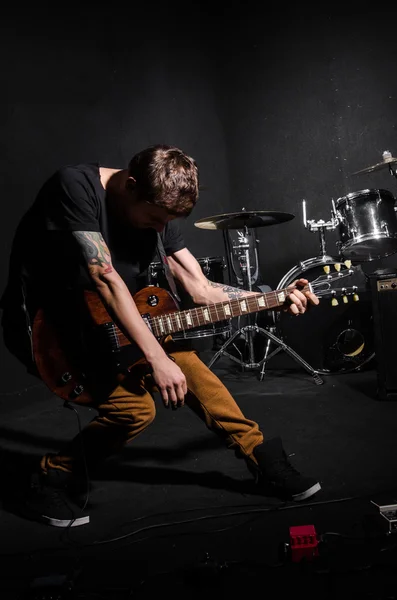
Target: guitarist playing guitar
{"x": 77, "y": 265}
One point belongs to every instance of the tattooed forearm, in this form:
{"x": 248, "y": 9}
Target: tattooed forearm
{"x": 95, "y": 250}
{"x": 231, "y": 292}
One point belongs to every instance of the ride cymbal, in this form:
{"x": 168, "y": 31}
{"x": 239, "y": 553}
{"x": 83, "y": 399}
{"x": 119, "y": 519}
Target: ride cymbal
{"x": 245, "y": 218}
{"x": 388, "y": 159}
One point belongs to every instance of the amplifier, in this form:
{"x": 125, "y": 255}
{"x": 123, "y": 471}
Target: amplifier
{"x": 383, "y": 285}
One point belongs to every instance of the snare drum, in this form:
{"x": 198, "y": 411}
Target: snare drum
{"x": 367, "y": 225}
{"x": 331, "y": 339}
{"x": 213, "y": 268}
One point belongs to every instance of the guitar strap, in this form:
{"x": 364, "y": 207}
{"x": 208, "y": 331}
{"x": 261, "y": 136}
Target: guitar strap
{"x": 167, "y": 270}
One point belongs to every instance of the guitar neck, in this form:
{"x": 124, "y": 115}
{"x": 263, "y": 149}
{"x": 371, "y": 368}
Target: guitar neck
{"x": 211, "y": 313}
{"x": 174, "y": 321}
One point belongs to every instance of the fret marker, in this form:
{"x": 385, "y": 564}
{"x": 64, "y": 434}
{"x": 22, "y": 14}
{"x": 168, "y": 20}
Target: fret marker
{"x": 178, "y": 321}
{"x": 281, "y": 297}
{"x": 227, "y": 310}
{"x": 188, "y": 318}
{"x": 261, "y": 302}
{"x": 169, "y": 323}
{"x": 206, "y": 314}
{"x": 243, "y": 305}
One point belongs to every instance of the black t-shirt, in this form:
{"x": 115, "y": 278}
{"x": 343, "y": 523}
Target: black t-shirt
{"x": 48, "y": 258}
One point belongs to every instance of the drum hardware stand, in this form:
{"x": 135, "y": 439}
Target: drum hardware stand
{"x": 321, "y": 227}
{"x": 249, "y": 330}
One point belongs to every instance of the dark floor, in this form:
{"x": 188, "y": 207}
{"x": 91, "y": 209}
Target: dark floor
{"x": 177, "y": 512}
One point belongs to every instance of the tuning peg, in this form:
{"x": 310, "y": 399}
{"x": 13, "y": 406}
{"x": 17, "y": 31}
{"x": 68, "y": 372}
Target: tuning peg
{"x": 334, "y": 302}
{"x": 337, "y": 266}
{"x": 345, "y": 299}
{"x": 326, "y": 269}
{"x": 348, "y": 263}
{"x": 355, "y": 296}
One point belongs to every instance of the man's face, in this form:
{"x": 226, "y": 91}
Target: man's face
{"x": 145, "y": 215}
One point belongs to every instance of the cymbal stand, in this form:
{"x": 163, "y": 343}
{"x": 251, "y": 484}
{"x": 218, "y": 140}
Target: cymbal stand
{"x": 248, "y": 331}
{"x": 392, "y": 171}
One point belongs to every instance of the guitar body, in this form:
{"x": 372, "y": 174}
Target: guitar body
{"x": 74, "y": 347}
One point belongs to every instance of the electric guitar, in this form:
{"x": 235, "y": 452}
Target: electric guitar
{"x": 63, "y": 347}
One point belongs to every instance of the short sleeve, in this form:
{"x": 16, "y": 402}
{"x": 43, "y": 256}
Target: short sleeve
{"x": 71, "y": 203}
{"x": 172, "y": 237}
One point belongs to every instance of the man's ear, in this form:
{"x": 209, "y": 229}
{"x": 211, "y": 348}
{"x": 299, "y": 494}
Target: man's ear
{"x": 130, "y": 183}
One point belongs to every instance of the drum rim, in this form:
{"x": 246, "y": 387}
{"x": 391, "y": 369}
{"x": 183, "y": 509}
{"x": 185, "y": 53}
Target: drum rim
{"x": 364, "y": 192}
{"x": 202, "y": 334}
{"x": 315, "y": 261}
{"x": 305, "y": 265}
{"x": 211, "y": 258}
{"x": 369, "y": 236}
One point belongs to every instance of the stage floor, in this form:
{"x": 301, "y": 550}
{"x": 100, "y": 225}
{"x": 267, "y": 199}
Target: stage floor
{"x": 177, "y": 511}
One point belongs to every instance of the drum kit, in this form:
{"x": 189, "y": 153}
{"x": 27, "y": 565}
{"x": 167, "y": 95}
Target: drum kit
{"x": 329, "y": 339}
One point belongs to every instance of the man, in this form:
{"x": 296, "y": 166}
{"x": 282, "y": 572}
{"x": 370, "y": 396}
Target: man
{"x": 93, "y": 227}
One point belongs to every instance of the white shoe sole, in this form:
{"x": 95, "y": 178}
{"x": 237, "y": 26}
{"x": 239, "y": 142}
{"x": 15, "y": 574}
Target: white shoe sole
{"x": 65, "y": 522}
{"x": 307, "y": 493}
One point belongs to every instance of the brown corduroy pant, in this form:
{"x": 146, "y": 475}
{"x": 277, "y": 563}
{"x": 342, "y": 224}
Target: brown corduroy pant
{"x": 130, "y": 408}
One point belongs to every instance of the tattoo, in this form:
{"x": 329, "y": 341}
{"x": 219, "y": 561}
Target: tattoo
{"x": 232, "y": 292}
{"x": 95, "y": 250}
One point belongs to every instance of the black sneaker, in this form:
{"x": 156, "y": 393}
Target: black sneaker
{"x": 52, "y": 500}
{"x": 277, "y": 477}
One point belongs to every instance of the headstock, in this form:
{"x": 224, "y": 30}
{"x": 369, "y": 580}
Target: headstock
{"x": 328, "y": 284}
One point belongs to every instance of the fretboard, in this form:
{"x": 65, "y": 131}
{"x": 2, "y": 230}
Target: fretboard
{"x": 211, "y": 313}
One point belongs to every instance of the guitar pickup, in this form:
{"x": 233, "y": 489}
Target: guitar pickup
{"x": 147, "y": 318}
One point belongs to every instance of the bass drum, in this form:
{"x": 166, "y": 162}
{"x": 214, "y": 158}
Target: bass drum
{"x": 331, "y": 339}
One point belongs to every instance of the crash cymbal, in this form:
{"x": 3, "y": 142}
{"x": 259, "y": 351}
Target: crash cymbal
{"x": 388, "y": 159}
{"x": 245, "y": 218}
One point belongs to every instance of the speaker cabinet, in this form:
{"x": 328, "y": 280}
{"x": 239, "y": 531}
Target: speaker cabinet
{"x": 383, "y": 285}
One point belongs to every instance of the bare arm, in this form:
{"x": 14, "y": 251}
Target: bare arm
{"x": 186, "y": 269}
{"x": 120, "y": 304}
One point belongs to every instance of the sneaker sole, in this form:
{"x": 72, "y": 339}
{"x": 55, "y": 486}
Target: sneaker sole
{"x": 65, "y": 522}
{"x": 307, "y": 493}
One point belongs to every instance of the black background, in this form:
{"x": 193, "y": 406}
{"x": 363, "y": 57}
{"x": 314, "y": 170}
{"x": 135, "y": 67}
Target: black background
{"x": 275, "y": 105}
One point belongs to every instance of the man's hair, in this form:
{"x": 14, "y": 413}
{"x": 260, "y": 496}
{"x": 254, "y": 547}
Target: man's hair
{"x": 167, "y": 177}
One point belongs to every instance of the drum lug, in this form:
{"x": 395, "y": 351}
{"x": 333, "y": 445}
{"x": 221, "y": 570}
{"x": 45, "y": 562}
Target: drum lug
{"x": 385, "y": 227}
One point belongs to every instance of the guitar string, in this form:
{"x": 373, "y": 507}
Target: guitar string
{"x": 198, "y": 312}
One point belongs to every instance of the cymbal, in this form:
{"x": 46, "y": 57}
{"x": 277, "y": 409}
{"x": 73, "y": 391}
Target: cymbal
{"x": 245, "y": 218}
{"x": 390, "y": 160}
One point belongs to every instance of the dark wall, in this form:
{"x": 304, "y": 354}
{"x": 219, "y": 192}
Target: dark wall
{"x": 274, "y": 107}
{"x": 307, "y": 99}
